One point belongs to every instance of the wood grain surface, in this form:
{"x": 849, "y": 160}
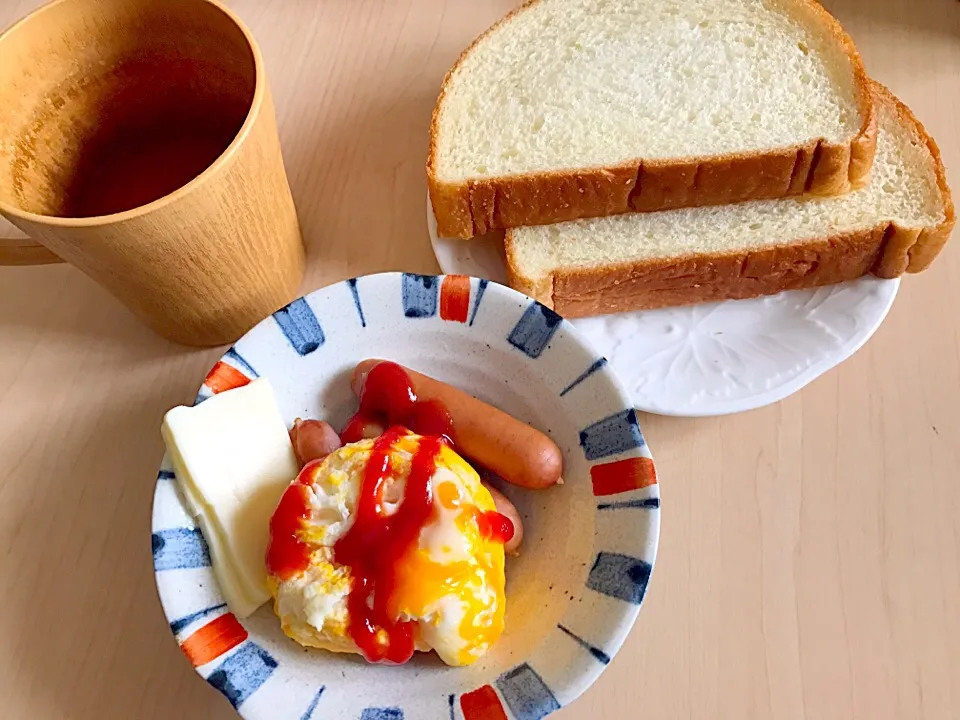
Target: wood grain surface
{"x": 810, "y": 558}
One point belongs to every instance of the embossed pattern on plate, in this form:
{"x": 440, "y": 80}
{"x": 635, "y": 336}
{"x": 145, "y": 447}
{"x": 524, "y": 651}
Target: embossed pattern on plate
{"x": 715, "y": 358}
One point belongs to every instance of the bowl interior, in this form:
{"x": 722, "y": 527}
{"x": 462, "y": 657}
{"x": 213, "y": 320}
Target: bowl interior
{"x": 561, "y": 622}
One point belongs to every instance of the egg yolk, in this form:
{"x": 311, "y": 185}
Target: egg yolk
{"x": 419, "y": 580}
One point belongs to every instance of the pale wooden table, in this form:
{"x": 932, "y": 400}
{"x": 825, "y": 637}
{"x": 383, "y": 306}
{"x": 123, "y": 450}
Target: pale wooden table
{"x": 810, "y": 558}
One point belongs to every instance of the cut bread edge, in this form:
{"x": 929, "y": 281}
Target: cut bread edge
{"x": 885, "y": 250}
{"x": 475, "y": 207}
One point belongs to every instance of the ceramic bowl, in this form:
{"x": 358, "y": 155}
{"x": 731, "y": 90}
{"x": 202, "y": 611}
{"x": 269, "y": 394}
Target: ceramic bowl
{"x": 576, "y": 588}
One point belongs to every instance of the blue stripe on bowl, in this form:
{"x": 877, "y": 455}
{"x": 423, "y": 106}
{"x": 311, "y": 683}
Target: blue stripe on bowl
{"x": 352, "y": 284}
{"x": 237, "y": 359}
{"x": 612, "y": 435}
{"x": 166, "y": 475}
{"x": 179, "y": 549}
{"x": 308, "y": 714}
{"x": 451, "y": 699}
{"x": 242, "y": 674}
{"x": 481, "y": 289}
{"x": 597, "y": 653}
{"x": 534, "y": 330}
{"x": 645, "y": 504}
{"x": 584, "y": 375}
{"x": 526, "y": 694}
{"x": 299, "y": 325}
{"x": 419, "y": 294}
{"x": 620, "y": 576}
{"x": 390, "y": 713}
{"x": 179, "y": 624}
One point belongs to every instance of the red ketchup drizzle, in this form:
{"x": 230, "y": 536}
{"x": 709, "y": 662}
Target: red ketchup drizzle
{"x": 375, "y": 542}
{"x": 387, "y": 398}
{"x": 495, "y": 526}
{"x": 287, "y": 554}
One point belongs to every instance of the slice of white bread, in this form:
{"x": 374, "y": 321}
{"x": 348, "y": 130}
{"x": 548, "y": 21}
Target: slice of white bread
{"x": 896, "y": 224}
{"x": 584, "y": 108}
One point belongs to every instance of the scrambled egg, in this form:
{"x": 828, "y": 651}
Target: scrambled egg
{"x": 451, "y": 584}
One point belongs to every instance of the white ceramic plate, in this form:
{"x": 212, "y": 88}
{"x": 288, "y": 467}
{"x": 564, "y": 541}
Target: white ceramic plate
{"x": 589, "y": 545}
{"x": 715, "y": 358}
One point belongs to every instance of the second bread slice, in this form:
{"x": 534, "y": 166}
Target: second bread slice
{"x": 583, "y": 108}
{"x": 896, "y": 224}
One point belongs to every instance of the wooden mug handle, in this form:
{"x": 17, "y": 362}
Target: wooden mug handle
{"x": 24, "y": 251}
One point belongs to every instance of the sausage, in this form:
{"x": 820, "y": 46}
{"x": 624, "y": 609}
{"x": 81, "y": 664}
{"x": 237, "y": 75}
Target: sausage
{"x": 516, "y": 452}
{"x": 313, "y": 440}
{"x": 505, "y": 507}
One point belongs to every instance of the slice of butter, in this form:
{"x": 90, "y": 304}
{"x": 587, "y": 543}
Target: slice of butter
{"x": 233, "y": 458}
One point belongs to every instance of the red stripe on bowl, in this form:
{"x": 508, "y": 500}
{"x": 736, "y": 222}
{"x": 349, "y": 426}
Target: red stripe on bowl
{"x": 482, "y": 704}
{"x": 214, "y": 639}
{"x": 455, "y": 298}
{"x": 623, "y": 475}
{"x": 224, "y": 377}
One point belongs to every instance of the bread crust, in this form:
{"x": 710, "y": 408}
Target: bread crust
{"x": 475, "y": 207}
{"x": 886, "y": 250}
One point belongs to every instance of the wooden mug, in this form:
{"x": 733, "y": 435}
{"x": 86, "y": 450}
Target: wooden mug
{"x": 138, "y": 142}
